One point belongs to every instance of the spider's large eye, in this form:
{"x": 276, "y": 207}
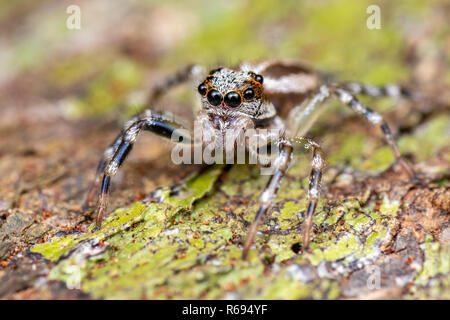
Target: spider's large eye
{"x": 249, "y": 94}
{"x": 214, "y": 97}
{"x": 232, "y": 99}
{"x": 202, "y": 89}
{"x": 259, "y": 78}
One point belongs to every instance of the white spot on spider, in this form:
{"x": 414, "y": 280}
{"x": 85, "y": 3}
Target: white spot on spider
{"x": 392, "y": 90}
{"x": 147, "y": 114}
{"x": 131, "y": 134}
{"x": 280, "y": 161}
{"x": 344, "y": 96}
{"x": 372, "y": 90}
{"x": 313, "y": 193}
{"x": 266, "y": 197}
{"x": 374, "y": 118}
{"x": 129, "y": 123}
{"x": 112, "y": 167}
{"x": 324, "y": 92}
{"x": 359, "y": 108}
{"x": 295, "y": 83}
{"x": 317, "y": 162}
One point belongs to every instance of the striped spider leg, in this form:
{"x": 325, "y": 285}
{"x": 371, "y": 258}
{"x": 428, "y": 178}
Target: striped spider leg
{"x": 286, "y": 149}
{"x": 114, "y": 156}
{"x": 292, "y": 80}
{"x": 181, "y": 76}
{"x": 303, "y": 118}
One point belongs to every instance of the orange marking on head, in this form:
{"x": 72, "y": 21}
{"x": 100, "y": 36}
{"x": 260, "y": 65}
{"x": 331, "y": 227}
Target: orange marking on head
{"x": 251, "y": 83}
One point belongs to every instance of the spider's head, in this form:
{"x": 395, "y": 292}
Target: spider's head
{"x": 229, "y": 91}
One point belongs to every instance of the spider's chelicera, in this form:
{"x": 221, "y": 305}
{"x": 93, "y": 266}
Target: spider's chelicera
{"x": 271, "y": 103}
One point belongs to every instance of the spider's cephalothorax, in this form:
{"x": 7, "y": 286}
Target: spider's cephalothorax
{"x": 268, "y": 94}
{"x": 231, "y": 93}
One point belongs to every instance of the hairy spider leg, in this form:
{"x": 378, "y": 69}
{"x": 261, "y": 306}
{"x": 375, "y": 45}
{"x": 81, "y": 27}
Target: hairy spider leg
{"x": 270, "y": 192}
{"x": 315, "y": 178}
{"x": 149, "y": 121}
{"x": 374, "y": 118}
{"x": 302, "y": 118}
{"x": 181, "y": 76}
{"x": 268, "y": 195}
{"x": 389, "y": 90}
{"x": 107, "y": 155}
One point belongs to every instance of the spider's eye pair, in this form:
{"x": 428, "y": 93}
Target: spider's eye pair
{"x": 214, "y": 97}
{"x": 232, "y": 99}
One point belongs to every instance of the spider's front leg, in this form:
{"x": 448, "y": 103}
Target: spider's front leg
{"x": 270, "y": 192}
{"x": 107, "y": 155}
{"x": 181, "y": 76}
{"x": 286, "y": 148}
{"x": 150, "y": 121}
{"x": 315, "y": 178}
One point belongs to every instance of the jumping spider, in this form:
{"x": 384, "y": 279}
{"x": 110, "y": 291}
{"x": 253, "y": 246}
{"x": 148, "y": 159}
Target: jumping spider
{"x": 254, "y": 95}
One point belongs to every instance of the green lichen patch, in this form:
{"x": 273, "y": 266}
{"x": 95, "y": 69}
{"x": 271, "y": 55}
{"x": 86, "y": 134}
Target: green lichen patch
{"x": 433, "y": 279}
{"x": 428, "y": 138}
{"x": 189, "y": 246}
{"x": 351, "y": 233}
{"x": 437, "y": 260}
{"x": 118, "y": 221}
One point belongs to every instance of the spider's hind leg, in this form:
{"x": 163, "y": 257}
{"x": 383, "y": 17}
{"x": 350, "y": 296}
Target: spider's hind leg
{"x": 374, "y": 118}
{"x": 302, "y": 117}
{"x": 389, "y": 90}
{"x": 194, "y": 72}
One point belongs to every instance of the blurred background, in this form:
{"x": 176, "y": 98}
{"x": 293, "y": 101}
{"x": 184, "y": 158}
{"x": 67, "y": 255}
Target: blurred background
{"x": 80, "y": 84}
{"x": 122, "y": 46}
